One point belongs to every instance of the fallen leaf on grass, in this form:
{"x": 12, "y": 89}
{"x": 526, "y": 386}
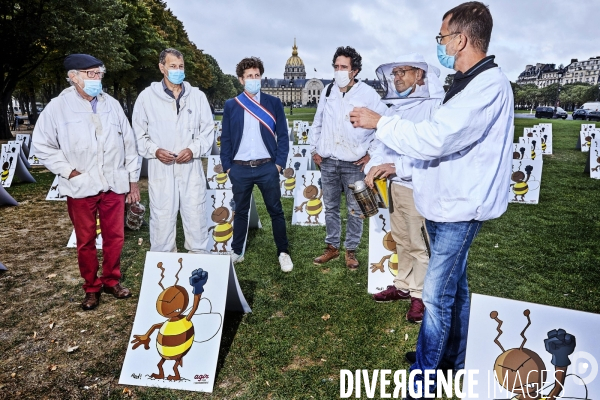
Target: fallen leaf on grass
{"x": 34, "y": 334}
{"x": 51, "y": 276}
{"x": 267, "y": 382}
{"x": 52, "y": 367}
{"x": 405, "y": 337}
{"x": 71, "y": 349}
{"x": 326, "y": 317}
{"x": 51, "y": 325}
{"x": 127, "y": 392}
{"x": 13, "y": 374}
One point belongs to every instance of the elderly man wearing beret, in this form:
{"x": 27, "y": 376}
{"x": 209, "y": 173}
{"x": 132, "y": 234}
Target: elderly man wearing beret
{"x": 84, "y": 137}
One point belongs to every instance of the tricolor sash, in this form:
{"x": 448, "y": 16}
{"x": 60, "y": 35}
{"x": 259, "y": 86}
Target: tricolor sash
{"x": 257, "y": 111}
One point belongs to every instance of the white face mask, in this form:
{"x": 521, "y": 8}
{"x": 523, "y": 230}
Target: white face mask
{"x": 342, "y": 78}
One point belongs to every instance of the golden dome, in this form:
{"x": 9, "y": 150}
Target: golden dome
{"x": 294, "y": 60}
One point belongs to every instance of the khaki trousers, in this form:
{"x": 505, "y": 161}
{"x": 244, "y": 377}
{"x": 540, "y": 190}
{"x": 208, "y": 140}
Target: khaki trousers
{"x": 410, "y": 244}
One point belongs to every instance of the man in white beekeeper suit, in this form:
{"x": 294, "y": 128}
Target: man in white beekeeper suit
{"x": 174, "y": 127}
{"x": 413, "y": 91}
{"x": 83, "y": 136}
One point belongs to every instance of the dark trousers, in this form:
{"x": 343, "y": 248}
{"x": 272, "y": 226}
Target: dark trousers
{"x": 110, "y": 207}
{"x": 266, "y": 177}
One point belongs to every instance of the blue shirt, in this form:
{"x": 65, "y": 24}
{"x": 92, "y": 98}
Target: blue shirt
{"x": 170, "y": 93}
{"x": 252, "y": 146}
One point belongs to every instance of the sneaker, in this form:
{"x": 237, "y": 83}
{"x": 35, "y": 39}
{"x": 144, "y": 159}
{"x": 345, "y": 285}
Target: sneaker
{"x": 391, "y": 294}
{"x": 351, "y": 261}
{"x": 237, "y": 258}
{"x": 286, "y": 262}
{"x": 330, "y": 253}
{"x": 415, "y": 311}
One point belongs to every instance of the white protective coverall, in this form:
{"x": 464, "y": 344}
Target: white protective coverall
{"x": 173, "y": 187}
{"x": 101, "y": 146}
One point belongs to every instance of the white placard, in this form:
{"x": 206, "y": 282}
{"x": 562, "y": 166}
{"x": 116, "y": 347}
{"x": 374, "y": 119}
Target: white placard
{"x": 533, "y": 146}
{"x": 72, "y": 243}
{"x": 525, "y": 181}
{"x": 309, "y": 209}
{"x": 383, "y": 259}
{"x": 587, "y": 137}
{"x": 22, "y": 156}
{"x": 586, "y": 127}
{"x": 33, "y": 160}
{"x": 546, "y": 136}
{"x": 595, "y": 159}
{"x": 220, "y": 219}
{"x": 54, "y": 192}
{"x": 24, "y": 139}
{"x": 10, "y": 162}
{"x": 514, "y": 340}
{"x": 302, "y": 151}
{"x": 294, "y": 167}
{"x": 216, "y": 148}
{"x": 216, "y": 177}
{"x": 170, "y": 351}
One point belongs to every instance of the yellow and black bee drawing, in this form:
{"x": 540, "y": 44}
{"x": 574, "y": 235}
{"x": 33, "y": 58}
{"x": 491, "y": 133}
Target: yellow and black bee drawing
{"x": 176, "y": 335}
{"x": 5, "y": 172}
{"x": 304, "y": 137}
{"x": 314, "y": 205}
{"x": 518, "y": 155}
{"x": 390, "y": 245}
{"x": 220, "y": 176}
{"x": 289, "y": 183}
{"x": 223, "y": 231}
{"x": 520, "y": 186}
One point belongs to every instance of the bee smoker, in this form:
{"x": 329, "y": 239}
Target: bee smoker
{"x": 134, "y": 216}
{"x": 369, "y": 200}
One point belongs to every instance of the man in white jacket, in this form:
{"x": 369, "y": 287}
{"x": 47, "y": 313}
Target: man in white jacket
{"x": 83, "y": 136}
{"x": 461, "y": 177}
{"x": 413, "y": 91}
{"x": 174, "y": 127}
{"x": 341, "y": 151}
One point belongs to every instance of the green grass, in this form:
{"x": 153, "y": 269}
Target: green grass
{"x": 547, "y": 253}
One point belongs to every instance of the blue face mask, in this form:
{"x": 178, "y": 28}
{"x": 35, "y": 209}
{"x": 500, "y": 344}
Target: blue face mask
{"x": 92, "y": 87}
{"x": 405, "y": 93}
{"x": 446, "y": 60}
{"x": 252, "y": 86}
{"x": 176, "y": 76}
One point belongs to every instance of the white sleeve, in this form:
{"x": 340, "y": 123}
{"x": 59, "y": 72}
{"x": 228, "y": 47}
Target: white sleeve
{"x": 315, "y": 128}
{"x": 146, "y": 147}
{"x": 46, "y": 146}
{"x": 380, "y": 108}
{"x": 203, "y": 140}
{"x": 131, "y": 153}
{"x": 453, "y": 127}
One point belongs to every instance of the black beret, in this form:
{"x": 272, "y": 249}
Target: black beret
{"x": 81, "y": 61}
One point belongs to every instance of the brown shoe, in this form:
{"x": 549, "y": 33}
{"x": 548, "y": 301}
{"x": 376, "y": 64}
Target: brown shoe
{"x": 91, "y": 301}
{"x": 118, "y": 291}
{"x": 415, "y": 311}
{"x": 351, "y": 261}
{"x": 330, "y": 253}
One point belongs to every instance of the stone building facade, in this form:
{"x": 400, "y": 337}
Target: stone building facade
{"x": 542, "y": 75}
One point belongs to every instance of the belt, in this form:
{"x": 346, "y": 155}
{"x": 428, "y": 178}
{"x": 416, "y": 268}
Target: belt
{"x": 252, "y": 163}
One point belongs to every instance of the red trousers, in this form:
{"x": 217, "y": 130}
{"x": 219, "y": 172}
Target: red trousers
{"x": 111, "y": 210}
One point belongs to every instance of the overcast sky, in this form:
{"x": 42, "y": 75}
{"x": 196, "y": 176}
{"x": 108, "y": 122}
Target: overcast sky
{"x": 525, "y": 31}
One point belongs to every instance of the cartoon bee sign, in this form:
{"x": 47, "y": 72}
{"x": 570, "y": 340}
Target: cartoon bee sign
{"x": 216, "y": 177}
{"x": 595, "y": 159}
{"x": 174, "y": 342}
{"x": 302, "y": 151}
{"x": 54, "y": 192}
{"x": 383, "y": 259}
{"x": 529, "y": 351}
{"x": 11, "y": 165}
{"x": 290, "y": 174}
{"x": 586, "y": 137}
{"x": 309, "y": 209}
{"x": 220, "y": 212}
{"x": 545, "y": 132}
{"x": 25, "y": 140}
{"x": 525, "y": 181}
{"x": 72, "y": 243}
{"x": 533, "y": 147}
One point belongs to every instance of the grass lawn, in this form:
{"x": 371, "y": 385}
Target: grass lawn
{"x": 547, "y": 253}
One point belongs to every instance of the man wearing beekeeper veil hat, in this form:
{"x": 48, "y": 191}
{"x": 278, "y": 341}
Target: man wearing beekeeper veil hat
{"x": 413, "y": 91}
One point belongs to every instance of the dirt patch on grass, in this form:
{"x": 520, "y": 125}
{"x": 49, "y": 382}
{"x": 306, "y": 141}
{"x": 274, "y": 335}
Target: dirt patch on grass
{"x": 300, "y": 363}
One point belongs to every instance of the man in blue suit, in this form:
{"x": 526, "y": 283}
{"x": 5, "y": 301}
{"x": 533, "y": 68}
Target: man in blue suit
{"x": 254, "y": 148}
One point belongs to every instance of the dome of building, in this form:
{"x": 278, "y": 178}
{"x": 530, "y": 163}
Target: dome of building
{"x": 294, "y": 67}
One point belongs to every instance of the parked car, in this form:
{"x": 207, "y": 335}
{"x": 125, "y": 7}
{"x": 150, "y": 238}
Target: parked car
{"x": 544, "y": 112}
{"x": 594, "y": 115}
{"x": 560, "y": 113}
{"x": 581, "y": 114}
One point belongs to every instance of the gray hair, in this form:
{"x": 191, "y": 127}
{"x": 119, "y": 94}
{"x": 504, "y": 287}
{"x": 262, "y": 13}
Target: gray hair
{"x": 163, "y": 55}
{"x": 76, "y": 71}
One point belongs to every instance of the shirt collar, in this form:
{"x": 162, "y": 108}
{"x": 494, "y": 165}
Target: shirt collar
{"x": 170, "y": 92}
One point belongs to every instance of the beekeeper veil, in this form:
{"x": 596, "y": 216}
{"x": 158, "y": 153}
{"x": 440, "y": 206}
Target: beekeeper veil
{"x": 410, "y": 79}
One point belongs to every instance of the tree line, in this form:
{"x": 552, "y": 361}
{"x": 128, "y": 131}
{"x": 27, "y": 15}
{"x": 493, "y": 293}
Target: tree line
{"x": 571, "y": 97}
{"x": 127, "y": 35}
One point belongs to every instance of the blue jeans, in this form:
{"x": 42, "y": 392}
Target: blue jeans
{"x": 334, "y": 175}
{"x": 443, "y": 335}
{"x": 266, "y": 177}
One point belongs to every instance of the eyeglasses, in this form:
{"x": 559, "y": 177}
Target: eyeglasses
{"x": 439, "y": 38}
{"x": 93, "y": 74}
{"x": 400, "y": 72}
